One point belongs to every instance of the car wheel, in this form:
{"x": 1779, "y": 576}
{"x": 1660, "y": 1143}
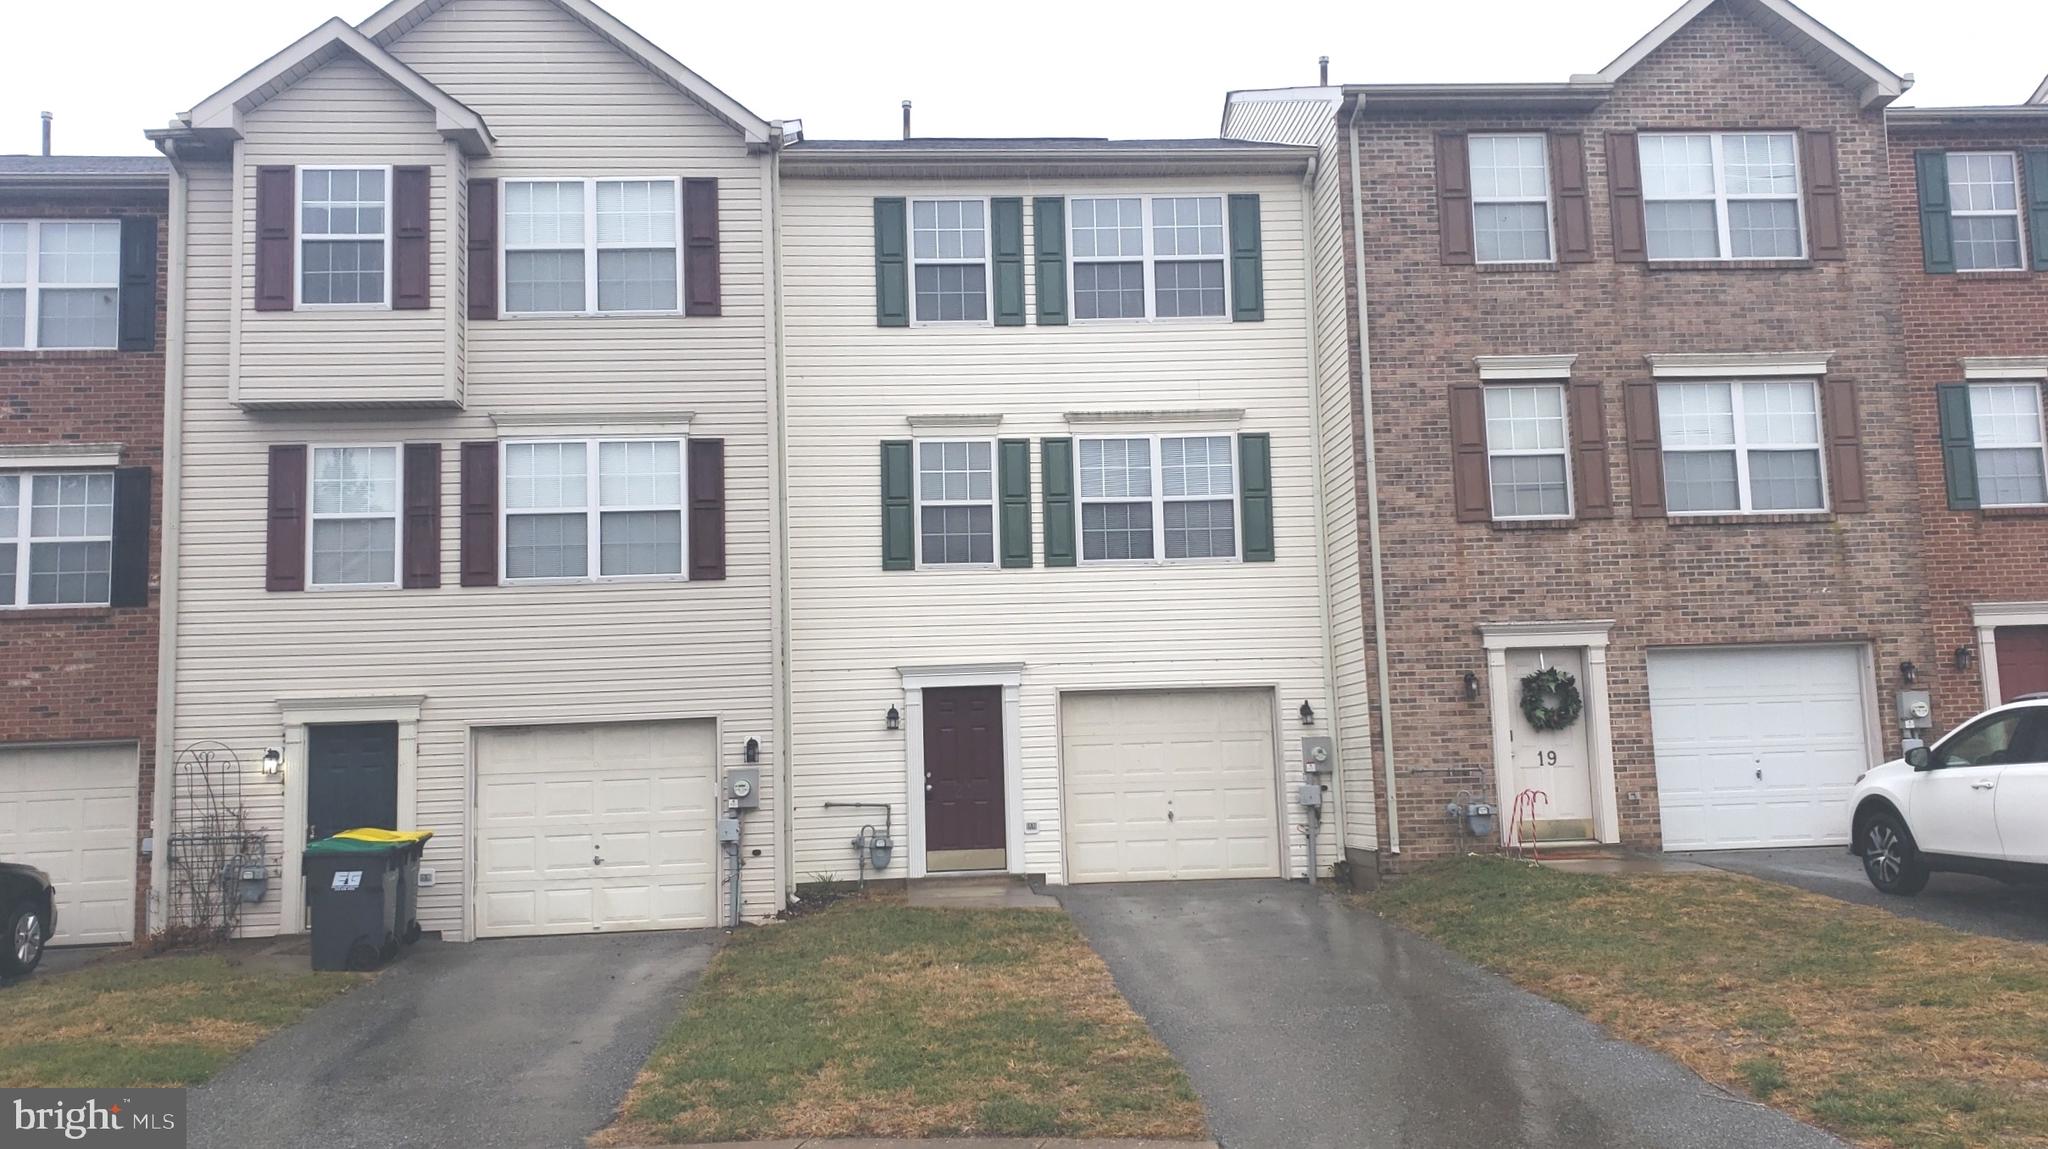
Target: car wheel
{"x": 1890, "y": 859}
{"x": 24, "y": 937}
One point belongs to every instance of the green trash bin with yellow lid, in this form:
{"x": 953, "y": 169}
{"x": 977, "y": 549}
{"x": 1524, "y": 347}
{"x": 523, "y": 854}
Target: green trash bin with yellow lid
{"x": 360, "y": 892}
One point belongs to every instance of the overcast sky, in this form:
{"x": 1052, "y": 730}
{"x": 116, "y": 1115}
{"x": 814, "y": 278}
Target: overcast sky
{"x": 110, "y": 68}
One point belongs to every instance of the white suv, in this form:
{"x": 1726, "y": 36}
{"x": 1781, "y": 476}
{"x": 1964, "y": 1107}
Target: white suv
{"x": 1975, "y": 802}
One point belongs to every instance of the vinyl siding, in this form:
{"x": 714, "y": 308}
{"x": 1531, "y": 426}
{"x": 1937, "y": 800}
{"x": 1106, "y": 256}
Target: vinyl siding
{"x": 851, "y": 384}
{"x": 504, "y": 655}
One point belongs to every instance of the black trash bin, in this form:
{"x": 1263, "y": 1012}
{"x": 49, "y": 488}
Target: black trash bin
{"x": 353, "y": 892}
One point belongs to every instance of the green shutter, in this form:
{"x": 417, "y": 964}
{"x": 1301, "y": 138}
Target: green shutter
{"x": 1255, "y": 502}
{"x": 1958, "y": 447}
{"x": 1013, "y": 484}
{"x": 1937, "y": 236}
{"x": 899, "y": 506}
{"x": 1049, "y": 235}
{"x": 1056, "y": 476}
{"x": 1247, "y": 271}
{"x": 892, "y": 264}
{"x": 1007, "y": 214}
{"x": 2037, "y": 204}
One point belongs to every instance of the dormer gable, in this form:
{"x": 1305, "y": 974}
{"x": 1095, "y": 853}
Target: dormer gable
{"x": 1874, "y": 84}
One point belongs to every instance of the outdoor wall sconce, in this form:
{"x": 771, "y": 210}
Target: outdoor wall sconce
{"x": 1471, "y": 687}
{"x": 1965, "y": 655}
{"x": 753, "y": 753}
{"x": 895, "y": 719}
{"x": 1908, "y": 673}
{"x": 1308, "y": 713}
{"x": 273, "y": 762}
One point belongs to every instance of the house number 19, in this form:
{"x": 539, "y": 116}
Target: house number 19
{"x": 1546, "y": 757}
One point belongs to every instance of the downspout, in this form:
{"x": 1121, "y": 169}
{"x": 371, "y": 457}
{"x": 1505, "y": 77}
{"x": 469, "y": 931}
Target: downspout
{"x": 1312, "y": 355}
{"x": 165, "y": 771}
{"x": 785, "y": 768}
{"x": 1372, "y": 491}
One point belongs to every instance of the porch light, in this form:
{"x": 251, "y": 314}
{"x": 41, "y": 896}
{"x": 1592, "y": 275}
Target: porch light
{"x": 895, "y": 719}
{"x": 1908, "y": 673}
{"x": 1308, "y": 713}
{"x": 273, "y": 762}
{"x": 1965, "y": 655}
{"x": 753, "y": 750}
{"x": 1471, "y": 687}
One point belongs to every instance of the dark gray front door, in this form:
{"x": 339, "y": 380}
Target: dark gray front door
{"x": 351, "y": 777}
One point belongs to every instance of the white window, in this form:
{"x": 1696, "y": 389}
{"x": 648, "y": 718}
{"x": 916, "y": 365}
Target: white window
{"x": 344, "y": 234}
{"x": 1510, "y": 198}
{"x": 1109, "y": 257}
{"x": 1984, "y": 211}
{"x": 60, "y": 283}
{"x": 2005, "y": 419}
{"x": 1148, "y": 497}
{"x": 1741, "y": 447}
{"x": 592, "y": 246}
{"x": 956, "y": 502}
{"x": 949, "y": 260}
{"x": 1177, "y": 242}
{"x": 1526, "y": 459}
{"x": 56, "y": 538}
{"x": 1722, "y": 196}
{"x": 619, "y": 499}
{"x": 355, "y": 500}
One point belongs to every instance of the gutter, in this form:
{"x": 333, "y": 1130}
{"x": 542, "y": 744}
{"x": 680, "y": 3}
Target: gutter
{"x": 1372, "y": 493}
{"x": 165, "y": 770}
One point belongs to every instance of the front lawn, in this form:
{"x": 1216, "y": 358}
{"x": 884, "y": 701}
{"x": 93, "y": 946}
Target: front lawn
{"x": 1889, "y": 1031}
{"x": 871, "y": 1018}
{"x": 164, "y": 1021}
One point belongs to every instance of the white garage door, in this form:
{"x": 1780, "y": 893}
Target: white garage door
{"x": 71, "y": 811}
{"x": 1758, "y": 746}
{"x": 587, "y": 828}
{"x": 1169, "y": 784}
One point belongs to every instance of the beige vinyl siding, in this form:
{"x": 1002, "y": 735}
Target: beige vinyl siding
{"x": 851, "y": 384}
{"x": 495, "y": 656}
{"x": 345, "y": 113}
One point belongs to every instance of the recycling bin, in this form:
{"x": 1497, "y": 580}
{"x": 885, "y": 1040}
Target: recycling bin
{"x": 359, "y": 891}
{"x": 406, "y": 922}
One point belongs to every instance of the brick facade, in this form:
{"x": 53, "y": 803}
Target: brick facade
{"x": 88, "y": 673}
{"x": 1837, "y": 577}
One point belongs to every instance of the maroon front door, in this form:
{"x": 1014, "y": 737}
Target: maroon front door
{"x": 2022, "y": 661}
{"x": 963, "y": 770}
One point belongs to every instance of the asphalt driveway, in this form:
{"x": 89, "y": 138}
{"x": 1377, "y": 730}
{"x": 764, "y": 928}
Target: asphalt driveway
{"x": 1306, "y": 1022}
{"x": 528, "y": 1042}
{"x": 1958, "y": 901}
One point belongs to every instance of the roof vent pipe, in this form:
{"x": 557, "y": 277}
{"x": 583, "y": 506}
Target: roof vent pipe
{"x": 906, "y": 119}
{"x": 1323, "y": 71}
{"x": 47, "y": 117}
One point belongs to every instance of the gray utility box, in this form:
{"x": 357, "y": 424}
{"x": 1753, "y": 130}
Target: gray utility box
{"x": 743, "y": 788}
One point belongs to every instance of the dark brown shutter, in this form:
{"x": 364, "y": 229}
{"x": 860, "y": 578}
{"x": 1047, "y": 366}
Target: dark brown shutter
{"x": 1845, "y": 445}
{"x": 285, "y": 533}
{"x": 1823, "y": 196}
{"x": 1454, "y": 197}
{"x": 480, "y": 513}
{"x": 707, "y": 508}
{"x": 129, "y": 581}
{"x": 1469, "y": 488}
{"x": 1625, "y": 200}
{"x": 483, "y": 251}
{"x": 421, "y": 561}
{"x": 1645, "y": 450}
{"x": 1574, "y": 205}
{"x": 1589, "y": 452}
{"x": 700, "y": 247}
{"x": 276, "y": 205}
{"x": 412, "y": 212}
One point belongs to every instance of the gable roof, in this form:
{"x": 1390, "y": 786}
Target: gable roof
{"x": 398, "y": 17}
{"x": 2040, "y": 95}
{"x": 1843, "y": 62}
{"x": 221, "y": 113}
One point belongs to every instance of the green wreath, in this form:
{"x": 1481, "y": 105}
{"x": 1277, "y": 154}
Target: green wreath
{"x": 1550, "y": 699}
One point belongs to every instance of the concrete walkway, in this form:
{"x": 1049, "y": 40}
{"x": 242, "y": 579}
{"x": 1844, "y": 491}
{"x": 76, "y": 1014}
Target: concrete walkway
{"x": 1307, "y": 1023}
{"x": 1959, "y": 901}
{"x": 978, "y": 892}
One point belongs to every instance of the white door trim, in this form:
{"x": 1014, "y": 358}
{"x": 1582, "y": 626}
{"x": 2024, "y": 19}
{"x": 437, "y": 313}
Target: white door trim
{"x": 916, "y": 680}
{"x": 1590, "y": 636}
{"x": 1987, "y": 617}
{"x": 297, "y": 714}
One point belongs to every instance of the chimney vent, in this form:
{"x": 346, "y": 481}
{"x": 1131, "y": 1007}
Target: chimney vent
{"x": 906, "y": 119}
{"x": 47, "y": 117}
{"x": 1323, "y": 70}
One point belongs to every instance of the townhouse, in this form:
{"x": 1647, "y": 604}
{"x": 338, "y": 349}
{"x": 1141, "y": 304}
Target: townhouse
{"x": 82, "y": 336}
{"x": 1641, "y": 532}
{"x": 475, "y": 512}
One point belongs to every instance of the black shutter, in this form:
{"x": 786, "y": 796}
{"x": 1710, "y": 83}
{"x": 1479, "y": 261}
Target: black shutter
{"x": 483, "y": 250}
{"x": 412, "y": 213}
{"x": 703, "y": 294}
{"x": 480, "y": 513}
{"x": 277, "y": 196}
{"x": 420, "y": 556}
{"x": 138, "y": 283}
{"x": 130, "y": 583}
{"x": 285, "y": 523}
{"x": 707, "y": 509}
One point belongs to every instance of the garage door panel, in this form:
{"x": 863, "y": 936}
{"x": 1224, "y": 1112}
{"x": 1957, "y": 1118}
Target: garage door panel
{"x": 72, "y": 811}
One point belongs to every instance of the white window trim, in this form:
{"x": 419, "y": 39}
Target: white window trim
{"x": 1571, "y": 494}
{"x": 1722, "y": 198}
{"x": 1742, "y": 450}
{"x": 590, "y": 247}
{"x": 17, "y": 596}
{"x": 986, "y": 262}
{"x": 1149, "y": 260}
{"x": 2017, "y": 212}
{"x": 994, "y": 503}
{"x": 396, "y": 515}
{"x": 2040, "y": 443}
{"x": 593, "y": 513}
{"x": 1549, "y": 208}
{"x": 1159, "y": 500}
{"x": 300, "y": 238}
{"x": 32, "y": 288}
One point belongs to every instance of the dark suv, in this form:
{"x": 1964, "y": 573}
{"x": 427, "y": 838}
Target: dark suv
{"x": 28, "y": 917}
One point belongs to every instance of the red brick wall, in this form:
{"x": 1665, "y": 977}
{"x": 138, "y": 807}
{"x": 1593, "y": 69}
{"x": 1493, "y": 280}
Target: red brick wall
{"x": 1972, "y": 556}
{"x": 88, "y": 674}
{"x": 1841, "y": 577}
